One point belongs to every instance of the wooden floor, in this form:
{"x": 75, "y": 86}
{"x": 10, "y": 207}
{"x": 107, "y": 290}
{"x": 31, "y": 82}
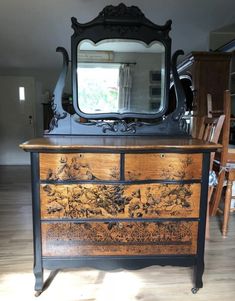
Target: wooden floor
{"x": 150, "y": 284}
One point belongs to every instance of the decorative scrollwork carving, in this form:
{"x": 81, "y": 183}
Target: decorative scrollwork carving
{"x": 77, "y": 27}
{"x": 57, "y": 115}
{"x": 170, "y": 174}
{"x": 79, "y": 168}
{"x": 118, "y": 126}
{"x": 121, "y": 10}
{"x": 56, "y": 102}
{"x": 109, "y": 201}
{"x": 123, "y": 232}
{"x": 180, "y": 95}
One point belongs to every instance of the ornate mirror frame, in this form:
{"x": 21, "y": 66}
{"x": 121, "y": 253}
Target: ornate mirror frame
{"x": 127, "y": 23}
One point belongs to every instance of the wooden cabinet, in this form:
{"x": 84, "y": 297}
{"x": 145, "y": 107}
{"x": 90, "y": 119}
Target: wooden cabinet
{"x": 229, "y": 48}
{"x": 232, "y": 83}
{"x": 135, "y": 201}
{"x": 208, "y": 73}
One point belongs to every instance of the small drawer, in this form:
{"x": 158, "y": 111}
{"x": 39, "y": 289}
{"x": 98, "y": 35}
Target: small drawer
{"x": 80, "y": 166}
{"x": 120, "y": 201}
{"x": 165, "y": 166}
{"x": 119, "y": 238}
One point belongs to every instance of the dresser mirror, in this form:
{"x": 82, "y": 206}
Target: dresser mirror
{"x": 120, "y": 76}
{"x": 121, "y": 66}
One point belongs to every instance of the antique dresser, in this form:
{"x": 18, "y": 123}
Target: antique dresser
{"x": 119, "y": 183}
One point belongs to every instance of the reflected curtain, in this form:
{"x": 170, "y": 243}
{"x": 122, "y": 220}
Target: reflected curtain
{"x": 125, "y": 84}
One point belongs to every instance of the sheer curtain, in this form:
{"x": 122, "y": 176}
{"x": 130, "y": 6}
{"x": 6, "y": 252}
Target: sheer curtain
{"x": 125, "y": 84}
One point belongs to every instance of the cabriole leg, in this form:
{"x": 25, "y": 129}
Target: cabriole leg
{"x": 38, "y": 273}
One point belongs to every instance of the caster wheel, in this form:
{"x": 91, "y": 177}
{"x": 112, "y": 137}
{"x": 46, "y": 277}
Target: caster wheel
{"x": 38, "y": 293}
{"x": 194, "y": 290}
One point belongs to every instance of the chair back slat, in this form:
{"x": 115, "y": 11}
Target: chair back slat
{"x": 222, "y": 155}
{"x": 226, "y": 128}
{"x": 210, "y": 131}
{"x": 211, "y": 128}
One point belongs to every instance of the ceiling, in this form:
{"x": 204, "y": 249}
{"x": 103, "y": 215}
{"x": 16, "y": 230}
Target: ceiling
{"x": 31, "y": 30}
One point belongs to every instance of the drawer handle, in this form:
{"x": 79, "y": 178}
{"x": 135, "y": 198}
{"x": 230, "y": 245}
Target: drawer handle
{"x": 162, "y": 155}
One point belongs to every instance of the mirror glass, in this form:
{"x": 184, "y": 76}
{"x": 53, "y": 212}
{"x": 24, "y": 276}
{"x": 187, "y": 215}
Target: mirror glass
{"x": 120, "y": 76}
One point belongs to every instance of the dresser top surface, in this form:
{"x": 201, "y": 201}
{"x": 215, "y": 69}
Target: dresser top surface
{"x": 131, "y": 143}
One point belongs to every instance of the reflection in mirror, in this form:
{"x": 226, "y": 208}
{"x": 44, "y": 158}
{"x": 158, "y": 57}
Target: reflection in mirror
{"x": 120, "y": 76}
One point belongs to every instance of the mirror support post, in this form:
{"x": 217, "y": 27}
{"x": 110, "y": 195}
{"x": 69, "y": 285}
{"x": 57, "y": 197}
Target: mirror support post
{"x": 56, "y": 102}
{"x": 179, "y": 92}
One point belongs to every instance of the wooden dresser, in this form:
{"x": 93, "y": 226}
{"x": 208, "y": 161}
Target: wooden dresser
{"x": 111, "y": 187}
{"x": 123, "y": 201}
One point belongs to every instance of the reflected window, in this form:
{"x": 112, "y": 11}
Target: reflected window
{"x": 98, "y": 83}
{"x": 120, "y": 76}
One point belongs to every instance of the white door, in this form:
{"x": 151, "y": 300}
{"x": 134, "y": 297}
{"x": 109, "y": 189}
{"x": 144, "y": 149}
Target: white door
{"x": 17, "y": 100}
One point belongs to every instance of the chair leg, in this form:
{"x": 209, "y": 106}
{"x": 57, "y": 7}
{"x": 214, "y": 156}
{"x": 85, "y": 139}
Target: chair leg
{"x": 217, "y": 195}
{"x": 210, "y": 191}
{"x": 227, "y": 204}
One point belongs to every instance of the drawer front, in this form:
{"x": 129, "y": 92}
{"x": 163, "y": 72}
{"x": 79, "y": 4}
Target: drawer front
{"x": 120, "y": 201}
{"x": 80, "y": 166}
{"x": 165, "y": 166}
{"x": 122, "y": 238}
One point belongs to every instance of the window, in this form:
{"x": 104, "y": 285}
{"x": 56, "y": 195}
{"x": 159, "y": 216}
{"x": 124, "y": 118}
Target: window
{"x": 22, "y": 93}
{"x": 98, "y": 89}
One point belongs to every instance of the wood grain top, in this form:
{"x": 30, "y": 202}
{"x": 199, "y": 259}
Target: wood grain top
{"x": 131, "y": 143}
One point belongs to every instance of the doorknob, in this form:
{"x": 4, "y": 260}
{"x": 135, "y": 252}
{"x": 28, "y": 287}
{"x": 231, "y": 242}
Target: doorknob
{"x": 30, "y": 119}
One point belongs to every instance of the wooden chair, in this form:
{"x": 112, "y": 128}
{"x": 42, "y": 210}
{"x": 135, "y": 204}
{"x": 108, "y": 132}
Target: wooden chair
{"x": 210, "y": 131}
{"x": 225, "y": 164}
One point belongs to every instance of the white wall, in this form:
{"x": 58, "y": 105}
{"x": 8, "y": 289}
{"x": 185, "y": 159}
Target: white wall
{"x": 16, "y": 126}
{"x": 144, "y": 63}
{"x": 221, "y": 36}
{"x": 45, "y": 80}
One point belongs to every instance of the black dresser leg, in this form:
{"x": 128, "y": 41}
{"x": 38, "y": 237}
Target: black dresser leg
{"x": 38, "y": 273}
{"x": 198, "y": 272}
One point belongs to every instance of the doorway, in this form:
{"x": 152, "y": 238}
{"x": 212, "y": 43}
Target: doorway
{"x": 17, "y": 123}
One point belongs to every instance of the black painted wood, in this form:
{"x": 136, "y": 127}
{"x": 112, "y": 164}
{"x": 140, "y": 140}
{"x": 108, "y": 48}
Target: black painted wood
{"x": 116, "y": 220}
{"x": 112, "y": 23}
{"x": 38, "y": 267}
{"x": 127, "y": 151}
{"x": 199, "y": 267}
{"x": 59, "y": 113}
{"x": 111, "y": 262}
{"x": 126, "y": 23}
{"x": 121, "y": 182}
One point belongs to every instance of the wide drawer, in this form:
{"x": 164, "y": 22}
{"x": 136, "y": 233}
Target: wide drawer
{"x": 79, "y": 166}
{"x": 120, "y": 201}
{"x": 120, "y": 238}
{"x": 166, "y": 166}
